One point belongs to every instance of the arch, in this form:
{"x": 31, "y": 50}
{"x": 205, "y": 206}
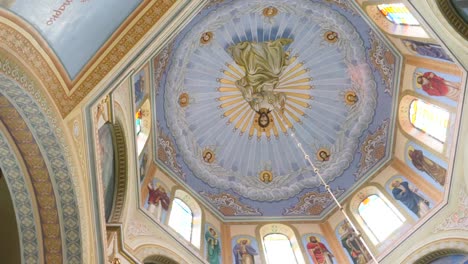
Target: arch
{"x": 284, "y": 235}
{"x": 151, "y": 252}
{"x": 437, "y": 249}
{"x": 196, "y": 212}
{"x": 373, "y": 227}
{"x": 448, "y": 9}
{"x": 22, "y": 196}
{"x": 121, "y": 172}
{"x": 407, "y": 127}
{"x": 142, "y": 125}
{"x": 159, "y": 259}
{"x": 42, "y": 143}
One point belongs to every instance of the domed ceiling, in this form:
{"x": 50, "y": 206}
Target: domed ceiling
{"x": 248, "y": 87}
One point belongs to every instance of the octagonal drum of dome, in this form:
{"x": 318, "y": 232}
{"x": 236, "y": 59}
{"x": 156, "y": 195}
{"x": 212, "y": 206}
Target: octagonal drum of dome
{"x": 246, "y": 81}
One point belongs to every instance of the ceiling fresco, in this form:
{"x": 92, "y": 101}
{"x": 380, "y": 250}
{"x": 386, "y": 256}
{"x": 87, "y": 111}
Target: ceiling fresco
{"x": 75, "y": 30}
{"x": 246, "y": 78}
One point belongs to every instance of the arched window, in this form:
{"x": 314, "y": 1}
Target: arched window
{"x": 423, "y": 122}
{"x": 280, "y": 244}
{"x": 185, "y": 217}
{"x": 181, "y": 219}
{"x": 379, "y": 218}
{"x": 398, "y": 14}
{"x": 429, "y": 119}
{"x": 142, "y": 125}
{"x": 278, "y": 249}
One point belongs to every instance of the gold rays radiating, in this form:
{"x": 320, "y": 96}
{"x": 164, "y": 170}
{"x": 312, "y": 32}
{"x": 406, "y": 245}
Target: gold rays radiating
{"x": 294, "y": 83}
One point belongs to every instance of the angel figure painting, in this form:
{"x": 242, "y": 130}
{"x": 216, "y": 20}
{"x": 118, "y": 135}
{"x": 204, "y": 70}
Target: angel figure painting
{"x": 263, "y": 63}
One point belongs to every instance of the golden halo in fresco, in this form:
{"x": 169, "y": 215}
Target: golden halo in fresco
{"x": 351, "y": 98}
{"x": 266, "y": 176}
{"x": 270, "y": 11}
{"x": 206, "y": 37}
{"x": 242, "y": 239}
{"x": 208, "y": 156}
{"x": 184, "y": 99}
{"x": 323, "y": 154}
{"x": 331, "y": 36}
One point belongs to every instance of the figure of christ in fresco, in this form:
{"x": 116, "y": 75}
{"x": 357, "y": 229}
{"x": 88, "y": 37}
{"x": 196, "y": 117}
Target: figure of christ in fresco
{"x": 157, "y": 200}
{"x": 422, "y": 163}
{"x": 263, "y": 63}
{"x": 354, "y": 246}
{"x": 319, "y": 252}
{"x": 409, "y": 197}
{"x": 435, "y": 85}
{"x": 243, "y": 252}
{"x": 212, "y": 243}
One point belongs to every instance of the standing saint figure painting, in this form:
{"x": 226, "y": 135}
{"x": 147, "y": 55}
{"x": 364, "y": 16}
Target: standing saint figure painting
{"x": 158, "y": 200}
{"x": 435, "y": 85}
{"x": 243, "y": 252}
{"x": 426, "y": 49}
{"x": 350, "y": 241}
{"x": 212, "y": 243}
{"x": 424, "y": 164}
{"x": 409, "y": 197}
{"x": 319, "y": 252}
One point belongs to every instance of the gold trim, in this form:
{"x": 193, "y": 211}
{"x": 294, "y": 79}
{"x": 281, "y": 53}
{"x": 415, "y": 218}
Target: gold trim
{"x": 29, "y": 46}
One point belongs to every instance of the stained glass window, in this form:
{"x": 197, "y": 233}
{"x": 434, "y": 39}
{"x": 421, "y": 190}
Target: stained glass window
{"x": 398, "y": 14}
{"x": 430, "y": 119}
{"x": 181, "y": 219}
{"x": 379, "y": 217}
{"x": 278, "y": 249}
{"x": 138, "y": 121}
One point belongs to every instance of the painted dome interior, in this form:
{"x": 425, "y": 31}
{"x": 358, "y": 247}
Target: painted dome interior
{"x": 247, "y": 82}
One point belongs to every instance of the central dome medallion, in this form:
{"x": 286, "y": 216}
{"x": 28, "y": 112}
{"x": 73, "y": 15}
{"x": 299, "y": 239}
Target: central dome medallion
{"x": 247, "y": 75}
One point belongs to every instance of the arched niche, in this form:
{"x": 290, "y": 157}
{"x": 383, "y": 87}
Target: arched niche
{"x": 354, "y": 206}
{"x": 142, "y": 125}
{"x": 288, "y": 232}
{"x": 411, "y": 131}
{"x": 196, "y": 213}
{"x": 431, "y": 252}
{"x": 41, "y": 141}
{"x": 406, "y": 31}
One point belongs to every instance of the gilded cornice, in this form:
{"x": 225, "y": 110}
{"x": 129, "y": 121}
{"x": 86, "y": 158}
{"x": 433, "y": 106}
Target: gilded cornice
{"x": 28, "y": 46}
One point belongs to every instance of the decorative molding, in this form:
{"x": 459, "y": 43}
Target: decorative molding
{"x": 136, "y": 229}
{"x": 452, "y": 16}
{"x": 22, "y": 202}
{"x": 373, "y": 149}
{"x": 437, "y": 249}
{"x": 67, "y": 95}
{"x": 457, "y": 220}
{"x": 312, "y": 203}
{"x": 229, "y": 205}
{"x": 121, "y": 173}
{"x": 151, "y": 251}
{"x": 383, "y": 60}
{"x": 42, "y": 144}
{"x": 167, "y": 154}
